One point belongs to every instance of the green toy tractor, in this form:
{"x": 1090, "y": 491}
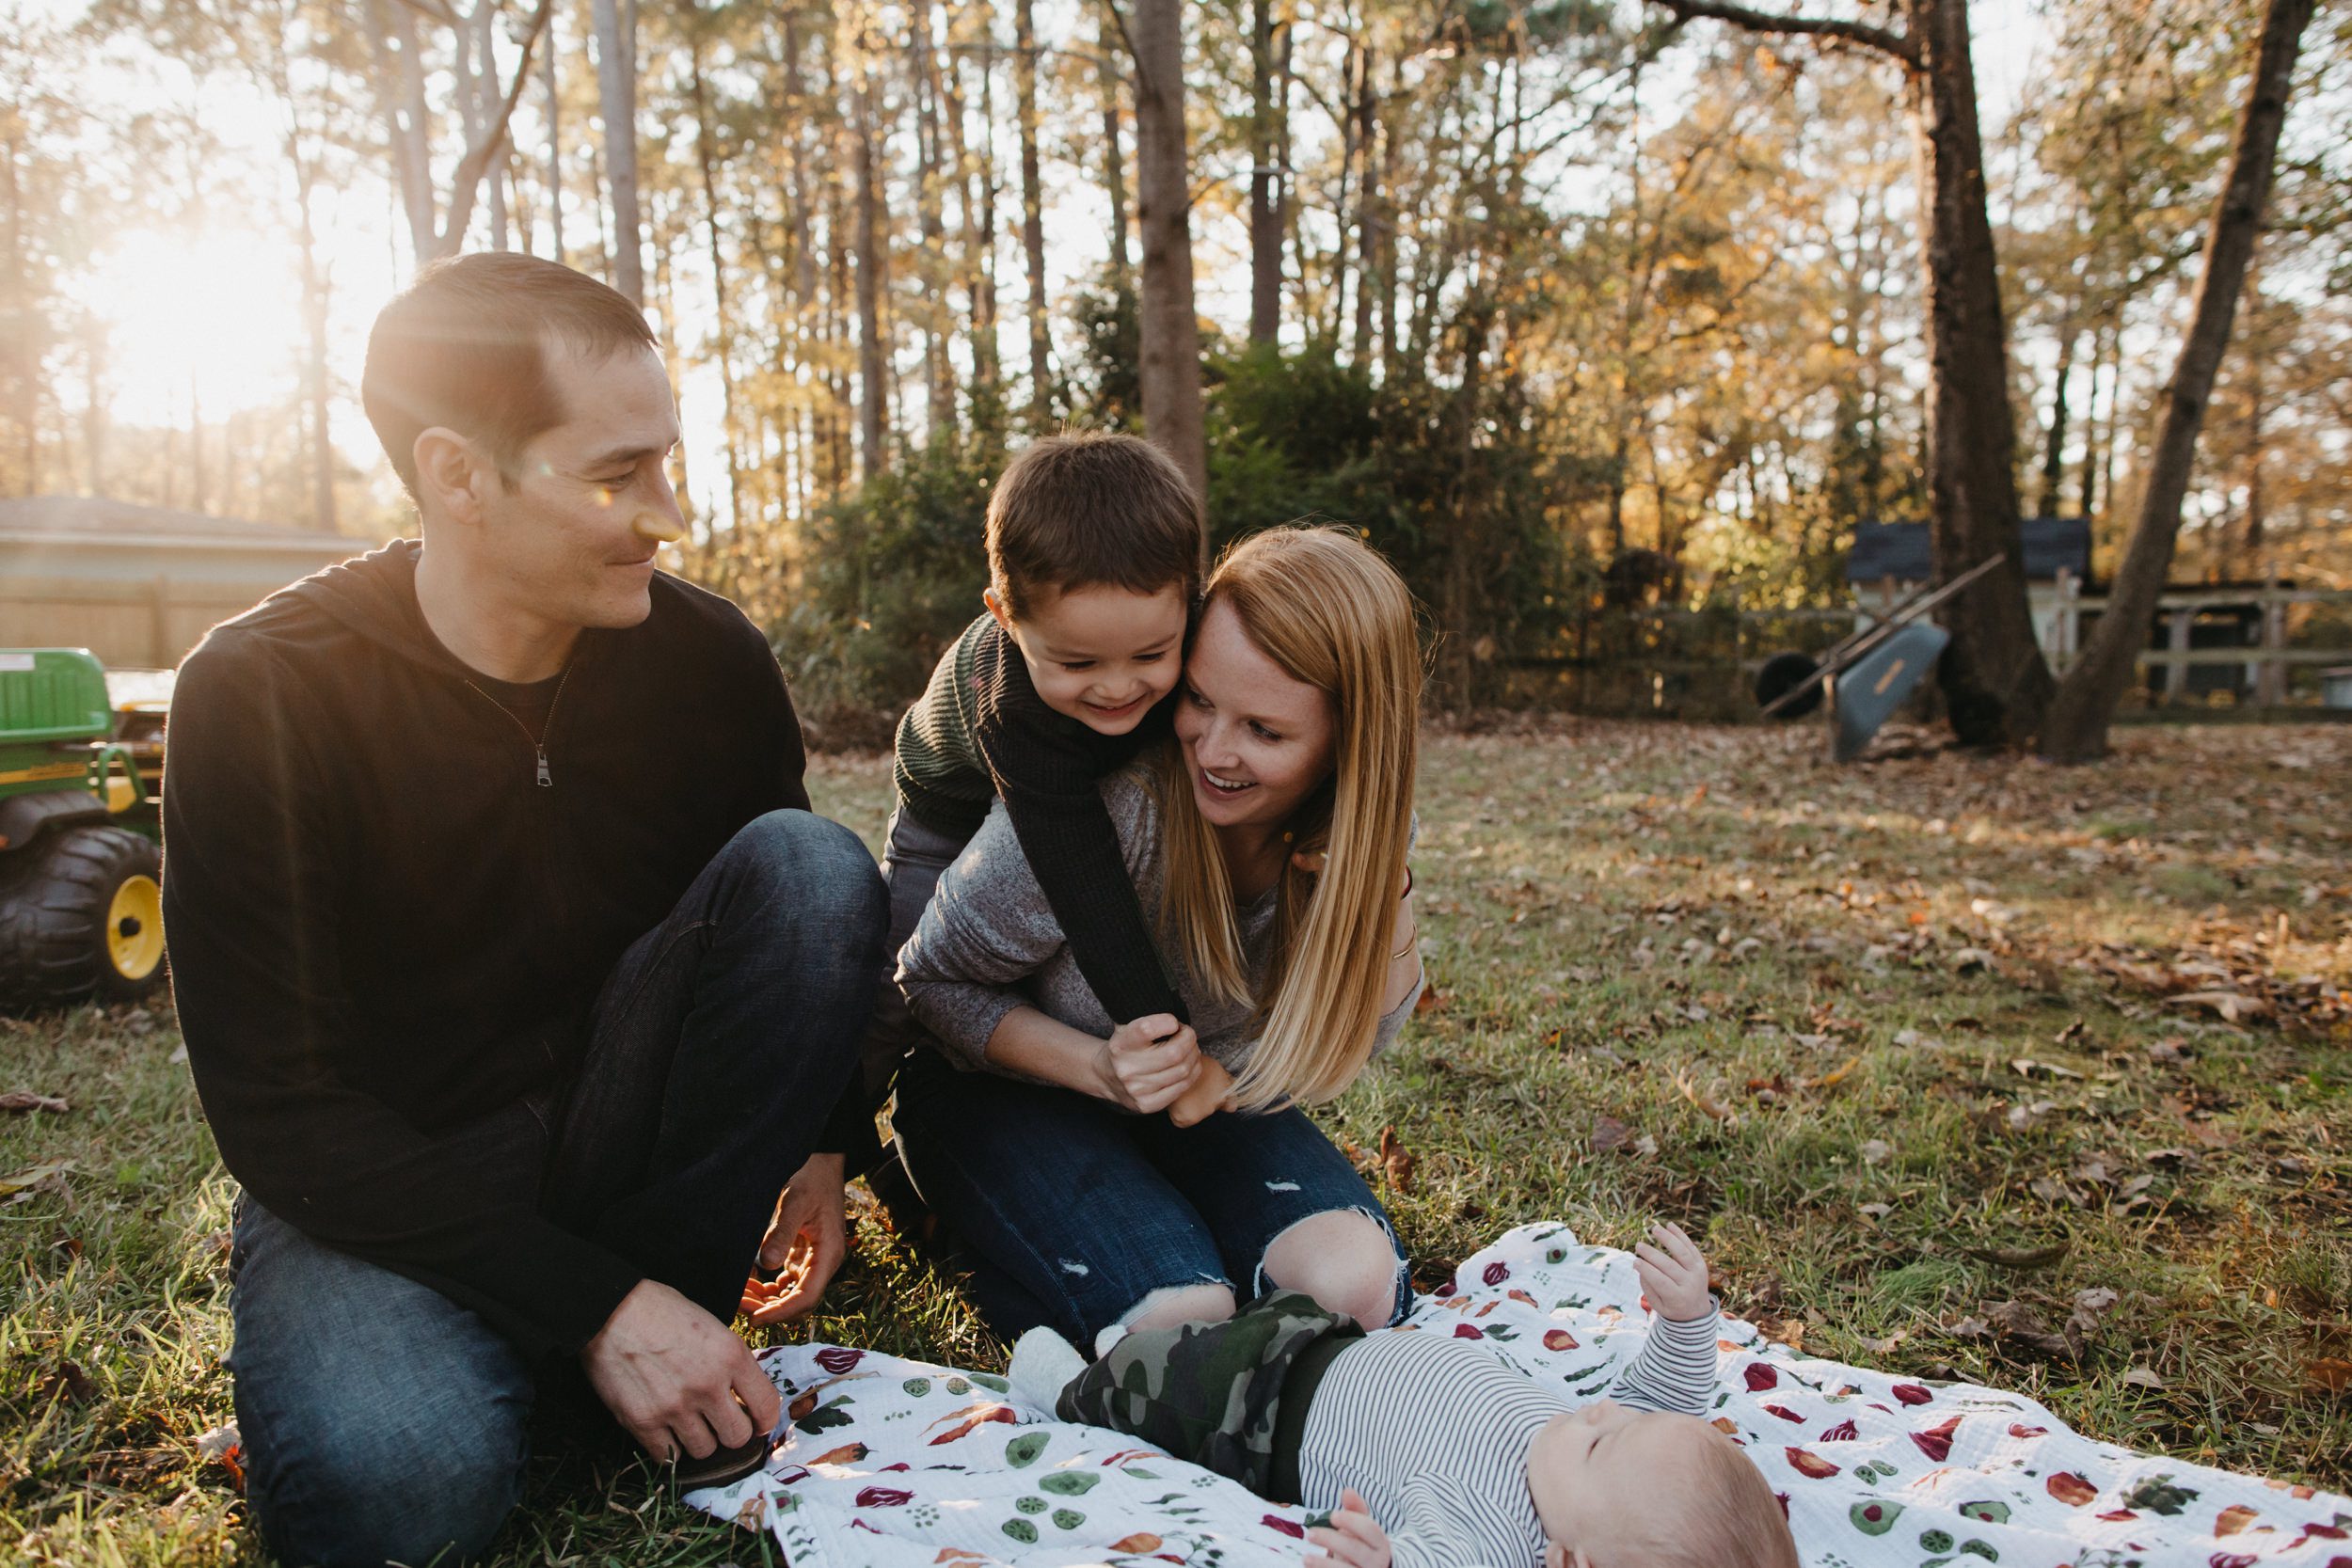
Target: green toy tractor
{"x": 81, "y": 900}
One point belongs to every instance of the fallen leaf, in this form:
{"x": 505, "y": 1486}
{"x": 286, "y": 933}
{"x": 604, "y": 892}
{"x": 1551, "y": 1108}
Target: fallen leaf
{"x": 1876, "y": 1151}
{"x": 2229, "y": 1005}
{"x": 2143, "y": 1377}
{"x": 2019, "y": 1256}
{"x": 1397, "y": 1160}
{"x": 35, "y": 1177}
{"x": 68, "y": 1383}
{"x": 2018, "y": 1322}
{"x": 1432, "y": 1001}
{"x": 2329, "y": 1373}
{"x": 1705, "y": 1101}
{"x": 1607, "y": 1134}
{"x": 25, "y": 1099}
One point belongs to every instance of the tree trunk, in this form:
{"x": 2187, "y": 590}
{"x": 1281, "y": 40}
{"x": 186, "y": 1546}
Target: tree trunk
{"x": 1114, "y": 160}
{"x": 555, "y": 145}
{"x": 1032, "y": 214}
{"x": 400, "y": 93}
{"x": 1995, "y": 685}
{"x": 976, "y": 198}
{"x": 1368, "y": 213}
{"x": 1171, "y": 372}
{"x": 616, "y": 92}
{"x": 870, "y": 264}
{"x": 706, "y": 159}
{"x": 1265, "y": 216}
{"x": 932, "y": 172}
{"x": 485, "y": 84}
{"x": 2076, "y": 730}
{"x": 2053, "y": 454}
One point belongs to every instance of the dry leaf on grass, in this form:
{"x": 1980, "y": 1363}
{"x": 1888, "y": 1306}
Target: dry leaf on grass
{"x": 2019, "y": 1256}
{"x": 1607, "y": 1134}
{"x": 2329, "y": 1374}
{"x": 25, "y": 1099}
{"x": 2144, "y": 1377}
{"x": 1397, "y": 1160}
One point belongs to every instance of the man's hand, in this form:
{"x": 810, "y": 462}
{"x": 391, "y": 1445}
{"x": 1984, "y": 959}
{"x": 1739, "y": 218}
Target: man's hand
{"x": 806, "y": 1242}
{"x": 1142, "y": 1071}
{"x": 1673, "y": 1275}
{"x": 1350, "y": 1538}
{"x": 676, "y": 1378}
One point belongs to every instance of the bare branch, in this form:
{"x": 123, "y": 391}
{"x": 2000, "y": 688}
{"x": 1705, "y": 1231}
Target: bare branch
{"x": 1879, "y": 38}
{"x": 436, "y": 11}
{"x": 466, "y": 184}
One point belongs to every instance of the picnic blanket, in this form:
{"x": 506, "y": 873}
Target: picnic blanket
{"x": 893, "y": 1464}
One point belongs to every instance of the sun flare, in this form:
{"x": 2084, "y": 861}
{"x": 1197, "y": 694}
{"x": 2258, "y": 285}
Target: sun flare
{"x": 216, "y": 318}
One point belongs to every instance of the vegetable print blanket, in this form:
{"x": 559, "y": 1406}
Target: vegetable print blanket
{"x": 893, "y": 1464}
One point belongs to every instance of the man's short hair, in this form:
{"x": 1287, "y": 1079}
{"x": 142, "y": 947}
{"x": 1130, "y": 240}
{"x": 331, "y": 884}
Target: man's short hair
{"x": 1088, "y": 509}
{"x": 465, "y": 346}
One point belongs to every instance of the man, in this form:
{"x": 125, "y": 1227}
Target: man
{"x": 515, "y": 976}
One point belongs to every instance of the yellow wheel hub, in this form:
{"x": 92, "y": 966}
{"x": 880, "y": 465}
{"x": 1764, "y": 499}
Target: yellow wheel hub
{"x": 135, "y": 927}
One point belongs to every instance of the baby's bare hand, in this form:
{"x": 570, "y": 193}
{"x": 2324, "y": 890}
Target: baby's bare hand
{"x": 1673, "y": 1274}
{"x": 1350, "y": 1538}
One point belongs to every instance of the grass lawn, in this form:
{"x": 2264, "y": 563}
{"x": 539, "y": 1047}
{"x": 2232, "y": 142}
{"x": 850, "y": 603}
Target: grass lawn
{"x": 1961, "y": 1068}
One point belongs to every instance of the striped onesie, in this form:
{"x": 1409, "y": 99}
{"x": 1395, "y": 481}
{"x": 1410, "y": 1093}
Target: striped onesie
{"x": 1387, "y": 1418}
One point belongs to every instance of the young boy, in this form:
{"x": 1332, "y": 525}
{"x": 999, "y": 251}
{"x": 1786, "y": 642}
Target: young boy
{"x": 1464, "y": 1461}
{"x": 1093, "y": 564}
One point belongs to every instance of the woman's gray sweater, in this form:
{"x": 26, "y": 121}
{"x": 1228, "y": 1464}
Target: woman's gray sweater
{"x": 989, "y": 944}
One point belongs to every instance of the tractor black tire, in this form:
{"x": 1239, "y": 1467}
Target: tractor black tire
{"x": 65, "y": 935}
{"x": 1785, "y": 673}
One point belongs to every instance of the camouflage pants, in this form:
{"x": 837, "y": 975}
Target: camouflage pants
{"x": 1209, "y": 1393}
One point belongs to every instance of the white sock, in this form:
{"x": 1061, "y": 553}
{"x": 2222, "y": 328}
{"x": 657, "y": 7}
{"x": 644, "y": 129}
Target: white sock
{"x": 1044, "y": 1363}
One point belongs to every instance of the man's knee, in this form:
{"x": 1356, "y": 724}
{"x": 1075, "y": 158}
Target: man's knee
{"x": 373, "y": 1491}
{"x": 811, "y": 869}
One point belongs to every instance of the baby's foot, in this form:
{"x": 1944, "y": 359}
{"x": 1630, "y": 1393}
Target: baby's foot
{"x": 1044, "y": 1363}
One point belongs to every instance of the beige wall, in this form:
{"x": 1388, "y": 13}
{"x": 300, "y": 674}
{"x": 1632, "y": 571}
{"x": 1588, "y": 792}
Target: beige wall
{"x": 148, "y": 619}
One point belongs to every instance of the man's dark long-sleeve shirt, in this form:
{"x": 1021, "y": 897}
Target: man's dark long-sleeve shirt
{"x": 387, "y": 920}
{"x": 981, "y": 731}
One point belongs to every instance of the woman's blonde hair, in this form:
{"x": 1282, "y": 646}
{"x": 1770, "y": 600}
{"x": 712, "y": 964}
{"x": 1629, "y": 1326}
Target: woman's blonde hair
{"x": 1325, "y": 608}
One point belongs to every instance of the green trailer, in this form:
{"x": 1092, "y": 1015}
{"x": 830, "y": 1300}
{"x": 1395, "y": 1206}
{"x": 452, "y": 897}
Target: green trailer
{"x": 81, "y": 862}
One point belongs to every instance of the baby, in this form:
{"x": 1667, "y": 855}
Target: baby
{"x": 1431, "y": 1453}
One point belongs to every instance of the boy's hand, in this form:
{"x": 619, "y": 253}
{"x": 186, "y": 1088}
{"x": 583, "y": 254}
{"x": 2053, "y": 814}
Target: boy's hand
{"x": 1350, "y": 1538}
{"x": 1673, "y": 1275}
{"x": 1141, "y": 1070}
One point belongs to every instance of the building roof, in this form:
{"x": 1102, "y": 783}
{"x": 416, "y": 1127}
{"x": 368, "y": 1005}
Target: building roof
{"x": 97, "y": 521}
{"x": 1899, "y": 551}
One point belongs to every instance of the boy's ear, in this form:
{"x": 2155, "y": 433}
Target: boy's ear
{"x": 996, "y": 608}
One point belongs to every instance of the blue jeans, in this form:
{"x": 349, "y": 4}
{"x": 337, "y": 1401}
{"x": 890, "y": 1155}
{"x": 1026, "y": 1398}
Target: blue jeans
{"x": 1069, "y": 1212}
{"x": 385, "y": 1423}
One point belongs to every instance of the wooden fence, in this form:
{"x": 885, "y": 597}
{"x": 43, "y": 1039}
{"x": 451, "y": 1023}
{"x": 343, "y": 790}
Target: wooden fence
{"x": 1701, "y": 664}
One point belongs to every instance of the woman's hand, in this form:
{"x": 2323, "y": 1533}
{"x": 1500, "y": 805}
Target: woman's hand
{"x": 1673, "y": 1275}
{"x": 1210, "y": 1092}
{"x": 1350, "y": 1538}
{"x": 1148, "y": 1062}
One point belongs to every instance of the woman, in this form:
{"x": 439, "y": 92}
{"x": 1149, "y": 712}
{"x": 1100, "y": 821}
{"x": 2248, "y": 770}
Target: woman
{"x": 1270, "y": 841}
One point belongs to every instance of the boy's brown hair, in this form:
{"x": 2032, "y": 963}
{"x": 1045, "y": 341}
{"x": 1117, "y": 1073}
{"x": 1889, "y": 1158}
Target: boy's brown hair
{"x": 465, "y": 347}
{"x": 1092, "y": 508}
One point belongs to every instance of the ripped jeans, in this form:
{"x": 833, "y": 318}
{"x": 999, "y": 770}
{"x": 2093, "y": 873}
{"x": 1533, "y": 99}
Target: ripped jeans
{"x": 1069, "y": 1212}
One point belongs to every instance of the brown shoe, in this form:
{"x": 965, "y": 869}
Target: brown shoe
{"x": 720, "y": 1466}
